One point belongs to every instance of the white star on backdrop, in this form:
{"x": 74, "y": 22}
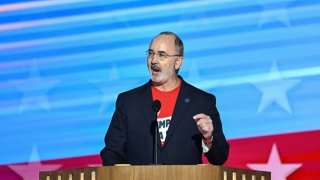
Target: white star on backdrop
{"x": 279, "y": 170}
{"x": 274, "y": 11}
{"x": 108, "y": 92}
{"x": 114, "y": 74}
{"x": 197, "y": 80}
{"x": 31, "y": 170}
{"x": 110, "y": 87}
{"x": 34, "y": 90}
{"x": 194, "y": 75}
{"x": 275, "y": 89}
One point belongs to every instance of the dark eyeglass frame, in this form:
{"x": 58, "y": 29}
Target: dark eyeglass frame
{"x": 161, "y": 54}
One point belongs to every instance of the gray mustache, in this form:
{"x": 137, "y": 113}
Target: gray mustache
{"x": 155, "y": 67}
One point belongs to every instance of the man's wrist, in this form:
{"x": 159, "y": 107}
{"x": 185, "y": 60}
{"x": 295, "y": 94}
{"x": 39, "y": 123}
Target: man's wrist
{"x": 207, "y": 143}
{"x": 208, "y": 140}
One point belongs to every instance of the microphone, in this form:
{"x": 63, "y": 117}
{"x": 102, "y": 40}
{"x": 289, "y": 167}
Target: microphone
{"x": 156, "y": 106}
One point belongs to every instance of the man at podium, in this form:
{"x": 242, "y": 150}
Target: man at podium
{"x": 188, "y": 122}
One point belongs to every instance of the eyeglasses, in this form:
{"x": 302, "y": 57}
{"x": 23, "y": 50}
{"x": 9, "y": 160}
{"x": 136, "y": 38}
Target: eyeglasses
{"x": 161, "y": 54}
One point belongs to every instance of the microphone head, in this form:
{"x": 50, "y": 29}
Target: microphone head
{"x": 156, "y": 106}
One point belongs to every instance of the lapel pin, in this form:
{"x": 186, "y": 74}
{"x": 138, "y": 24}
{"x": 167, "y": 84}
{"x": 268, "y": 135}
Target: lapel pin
{"x": 187, "y": 100}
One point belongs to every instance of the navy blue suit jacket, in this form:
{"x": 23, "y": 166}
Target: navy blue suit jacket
{"x": 129, "y": 138}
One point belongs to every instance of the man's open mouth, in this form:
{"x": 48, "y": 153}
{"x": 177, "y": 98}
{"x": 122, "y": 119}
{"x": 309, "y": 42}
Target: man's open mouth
{"x": 155, "y": 68}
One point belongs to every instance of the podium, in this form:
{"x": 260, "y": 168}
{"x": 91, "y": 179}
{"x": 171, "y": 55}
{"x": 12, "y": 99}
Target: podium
{"x": 161, "y": 172}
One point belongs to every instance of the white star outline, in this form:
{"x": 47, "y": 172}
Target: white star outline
{"x": 274, "y": 90}
{"x": 274, "y": 12}
{"x": 32, "y": 97}
{"x": 109, "y": 93}
{"x": 194, "y": 75}
{"x": 31, "y": 170}
{"x": 279, "y": 170}
{"x": 196, "y": 79}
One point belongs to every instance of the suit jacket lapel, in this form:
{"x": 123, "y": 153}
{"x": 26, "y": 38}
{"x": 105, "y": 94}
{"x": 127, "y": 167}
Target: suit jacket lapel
{"x": 182, "y": 103}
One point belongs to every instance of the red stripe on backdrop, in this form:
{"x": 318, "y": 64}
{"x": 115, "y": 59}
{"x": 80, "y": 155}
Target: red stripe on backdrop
{"x": 30, "y": 171}
{"x": 293, "y": 148}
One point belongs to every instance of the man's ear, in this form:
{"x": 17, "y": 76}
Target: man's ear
{"x": 178, "y": 62}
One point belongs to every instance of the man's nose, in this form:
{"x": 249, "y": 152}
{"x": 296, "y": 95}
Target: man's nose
{"x": 155, "y": 59}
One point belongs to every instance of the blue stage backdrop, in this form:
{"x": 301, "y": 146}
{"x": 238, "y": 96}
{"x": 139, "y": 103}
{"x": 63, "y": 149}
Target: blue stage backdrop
{"x": 63, "y": 63}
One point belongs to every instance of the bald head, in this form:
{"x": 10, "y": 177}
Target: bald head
{"x": 176, "y": 40}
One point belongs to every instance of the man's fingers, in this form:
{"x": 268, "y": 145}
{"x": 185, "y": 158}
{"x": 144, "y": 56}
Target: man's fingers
{"x": 199, "y": 116}
{"x": 202, "y": 121}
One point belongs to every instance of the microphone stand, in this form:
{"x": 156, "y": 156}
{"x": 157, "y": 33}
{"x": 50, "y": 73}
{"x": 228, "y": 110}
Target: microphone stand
{"x": 156, "y": 140}
{"x": 156, "y": 106}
